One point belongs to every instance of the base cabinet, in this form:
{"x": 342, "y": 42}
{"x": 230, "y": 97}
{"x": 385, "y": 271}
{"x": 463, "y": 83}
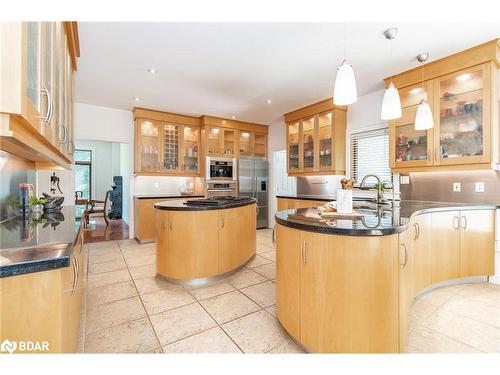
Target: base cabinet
{"x": 420, "y": 231}
{"x": 199, "y": 244}
{"x": 293, "y": 203}
{"x": 47, "y": 306}
{"x": 406, "y": 285}
{"x": 445, "y": 243}
{"x": 338, "y": 294}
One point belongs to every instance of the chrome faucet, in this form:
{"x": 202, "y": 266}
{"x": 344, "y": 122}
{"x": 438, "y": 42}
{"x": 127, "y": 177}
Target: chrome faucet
{"x": 379, "y": 192}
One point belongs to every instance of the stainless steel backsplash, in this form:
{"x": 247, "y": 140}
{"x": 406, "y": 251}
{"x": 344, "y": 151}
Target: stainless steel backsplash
{"x": 437, "y": 186}
{"x": 13, "y": 171}
{"x": 319, "y": 185}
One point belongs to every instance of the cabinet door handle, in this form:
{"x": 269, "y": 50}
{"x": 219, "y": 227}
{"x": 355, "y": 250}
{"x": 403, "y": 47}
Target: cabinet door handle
{"x": 81, "y": 243}
{"x": 417, "y": 231}
{"x": 75, "y": 272}
{"x": 257, "y": 210}
{"x": 304, "y": 252}
{"x": 222, "y": 220}
{"x": 403, "y": 245}
{"x": 48, "y": 115}
{"x": 274, "y": 235}
{"x": 464, "y": 225}
{"x": 170, "y": 224}
{"x": 456, "y": 223}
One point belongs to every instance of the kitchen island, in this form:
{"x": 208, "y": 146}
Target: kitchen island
{"x": 346, "y": 284}
{"x": 200, "y": 242}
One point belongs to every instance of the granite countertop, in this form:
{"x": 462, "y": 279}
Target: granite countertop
{"x": 35, "y": 246}
{"x": 384, "y": 221}
{"x": 159, "y": 196}
{"x": 181, "y": 206}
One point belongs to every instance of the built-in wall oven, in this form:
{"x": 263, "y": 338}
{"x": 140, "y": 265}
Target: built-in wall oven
{"x": 221, "y": 177}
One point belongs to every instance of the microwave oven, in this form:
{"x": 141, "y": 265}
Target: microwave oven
{"x": 221, "y": 169}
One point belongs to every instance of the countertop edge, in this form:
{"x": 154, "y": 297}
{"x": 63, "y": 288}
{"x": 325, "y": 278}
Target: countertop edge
{"x": 167, "y": 196}
{"x": 381, "y": 232}
{"x": 203, "y": 208}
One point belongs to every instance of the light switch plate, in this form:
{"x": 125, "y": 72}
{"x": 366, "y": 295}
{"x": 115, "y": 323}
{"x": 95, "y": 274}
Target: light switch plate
{"x": 157, "y": 185}
{"x": 479, "y": 187}
{"x": 404, "y": 180}
{"x": 457, "y": 187}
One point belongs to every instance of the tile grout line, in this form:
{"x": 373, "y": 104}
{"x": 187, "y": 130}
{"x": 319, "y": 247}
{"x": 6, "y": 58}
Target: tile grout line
{"x": 142, "y": 303}
{"x": 451, "y": 338}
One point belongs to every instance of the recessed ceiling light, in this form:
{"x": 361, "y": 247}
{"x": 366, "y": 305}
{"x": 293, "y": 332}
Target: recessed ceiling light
{"x": 152, "y": 70}
{"x": 463, "y": 77}
{"x": 268, "y": 101}
{"x": 233, "y": 117}
{"x": 136, "y": 98}
{"x": 416, "y": 90}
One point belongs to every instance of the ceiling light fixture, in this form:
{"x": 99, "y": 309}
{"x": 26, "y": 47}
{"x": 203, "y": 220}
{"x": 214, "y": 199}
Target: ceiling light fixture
{"x": 152, "y": 70}
{"x": 391, "y": 104}
{"x": 416, "y": 90}
{"x": 136, "y": 98}
{"x": 423, "y": 118}
{"x": 233, "y": 117}
{"x": 268, "y": 101}
{"x": 344, "y": 91}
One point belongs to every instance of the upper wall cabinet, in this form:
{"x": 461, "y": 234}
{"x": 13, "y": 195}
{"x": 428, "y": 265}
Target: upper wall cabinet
{"x": 36, "y": 91}
{"x": 316, "y": 139}
{"x": 462, "y": 91}
{"x": 166, "y": 143}
{"x": 234, "y": 139}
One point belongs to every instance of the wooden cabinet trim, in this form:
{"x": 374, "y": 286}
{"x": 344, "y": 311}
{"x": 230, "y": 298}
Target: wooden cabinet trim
{"x": 312, "y": 109}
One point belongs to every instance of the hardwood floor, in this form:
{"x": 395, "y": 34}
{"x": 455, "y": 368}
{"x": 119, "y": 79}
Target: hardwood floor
{"x": 116, "y": 230}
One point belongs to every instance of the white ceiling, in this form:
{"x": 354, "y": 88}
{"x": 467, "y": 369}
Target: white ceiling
{"x": 225, "y": 69}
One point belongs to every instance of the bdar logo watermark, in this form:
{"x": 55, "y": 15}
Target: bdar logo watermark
{"x": 8, "y": 346}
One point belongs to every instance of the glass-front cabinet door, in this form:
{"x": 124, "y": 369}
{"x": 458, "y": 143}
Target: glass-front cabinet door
{"x": 308, "y": 144}
{"x": 190, "y": 147}
{"x": 245, "y": 143}
{"x": 325, "y": 136}
{"x": 229, "y": 139}
{"x": 463, "y": 128}
{"x": 214, "y": 137}
{"x": 260, "y": 145}
{"x": 293, "y": 142}
{"x": 171, "y": 146}
{"x": 149, "y": 144}
{"x": 409, "y": 147}
{"x": 47, "y": 56}
{"x": 33, "y": 71}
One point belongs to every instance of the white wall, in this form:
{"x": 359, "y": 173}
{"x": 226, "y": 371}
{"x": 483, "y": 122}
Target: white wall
{"x": 365, "y": 112}
{"x": 276, "y": 142}
{"x": 66, "y": 183}
{"x": 113, "y": 125}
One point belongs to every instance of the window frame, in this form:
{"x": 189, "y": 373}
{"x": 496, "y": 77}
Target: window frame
{"x": 89, "y": 163}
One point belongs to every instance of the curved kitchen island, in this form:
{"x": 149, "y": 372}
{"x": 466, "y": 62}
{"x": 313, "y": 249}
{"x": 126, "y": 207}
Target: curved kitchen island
{"x": 346, "y": 284}
{"x": 199, "y": 243}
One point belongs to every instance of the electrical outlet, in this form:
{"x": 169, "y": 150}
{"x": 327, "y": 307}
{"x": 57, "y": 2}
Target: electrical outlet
{"x": 457, "y": 187}
{"x": 157, "y": 185}
{"x": 479, "y": 187}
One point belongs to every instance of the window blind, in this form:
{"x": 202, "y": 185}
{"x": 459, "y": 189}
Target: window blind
{"x": 370, "y": 155}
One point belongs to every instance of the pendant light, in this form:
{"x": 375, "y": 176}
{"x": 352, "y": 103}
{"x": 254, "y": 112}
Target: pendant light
{"x": 391, "y": 104}
{"x": 423, "y": 118}
{"x": 345, "y": 92}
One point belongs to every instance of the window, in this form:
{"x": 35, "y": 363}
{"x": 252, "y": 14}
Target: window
{"x": 83, "y": 173}
{"x": 370, "y": 155}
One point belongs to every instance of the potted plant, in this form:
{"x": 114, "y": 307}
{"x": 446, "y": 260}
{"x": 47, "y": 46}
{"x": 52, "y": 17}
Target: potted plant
{"x": 36, "y": 204}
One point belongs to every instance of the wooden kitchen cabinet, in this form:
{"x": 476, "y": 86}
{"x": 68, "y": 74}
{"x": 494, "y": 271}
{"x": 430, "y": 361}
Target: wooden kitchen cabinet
{"x": 36, "y": 103}
{"x": 445, "y": 244}
{"x": 294, "y": 203}
{"x": 406, "y": 285}
{"x": 462, "y": 91}
{"x": 48, "y": 305}
{"x": 462, "y": 244}
{"x": 288, "y": 258}
{"x": 420, "y": 230}
{"x": 314, "y": 292}
{"x": 236, "y": 237}
{"x": 166, "y": 144}
{"x": 316, "y": 138}
{"x": 477, "y": 242}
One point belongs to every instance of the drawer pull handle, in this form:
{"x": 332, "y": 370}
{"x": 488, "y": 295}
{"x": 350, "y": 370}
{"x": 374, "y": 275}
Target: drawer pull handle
{"x": 417, "y": 231}
{"x": 403, "y": 245}
{"x": 274, "y": 235}
{"x": 456, "y": 224}
{"x": 463, "y": 219}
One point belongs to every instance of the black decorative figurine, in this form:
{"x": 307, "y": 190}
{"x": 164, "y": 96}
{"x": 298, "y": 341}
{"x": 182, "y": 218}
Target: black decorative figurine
{"x": 116, "y": 197}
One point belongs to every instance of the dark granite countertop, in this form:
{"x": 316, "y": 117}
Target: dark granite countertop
{"x": 160, "y": 196}
{"x": 373, "y": 222}
{"x": 181, "y": 206}
{"x": 35, "y": 246}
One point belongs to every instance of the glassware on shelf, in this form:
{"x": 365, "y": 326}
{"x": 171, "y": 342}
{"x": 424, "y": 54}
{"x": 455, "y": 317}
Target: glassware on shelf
{"x": 461, "y": 116}
{"x": 410, "y": 144}
{"x": 190, "y": 149}
{"x": 293, "y": 146}
{"x": 325, "y": 140}
{"x": 171, "y": 147}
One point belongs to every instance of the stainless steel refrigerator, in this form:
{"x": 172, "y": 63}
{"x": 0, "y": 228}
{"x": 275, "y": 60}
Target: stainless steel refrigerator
{"x": 253, "y": 181}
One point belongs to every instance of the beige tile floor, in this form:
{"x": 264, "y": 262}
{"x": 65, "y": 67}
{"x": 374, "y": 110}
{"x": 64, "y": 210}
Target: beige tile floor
{"x": 129, "y": 310}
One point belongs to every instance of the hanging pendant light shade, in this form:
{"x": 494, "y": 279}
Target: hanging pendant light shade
{"x": 345, "y": 92}
{"x": 423, "y": 118}
{"x": 391, "y": 105}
